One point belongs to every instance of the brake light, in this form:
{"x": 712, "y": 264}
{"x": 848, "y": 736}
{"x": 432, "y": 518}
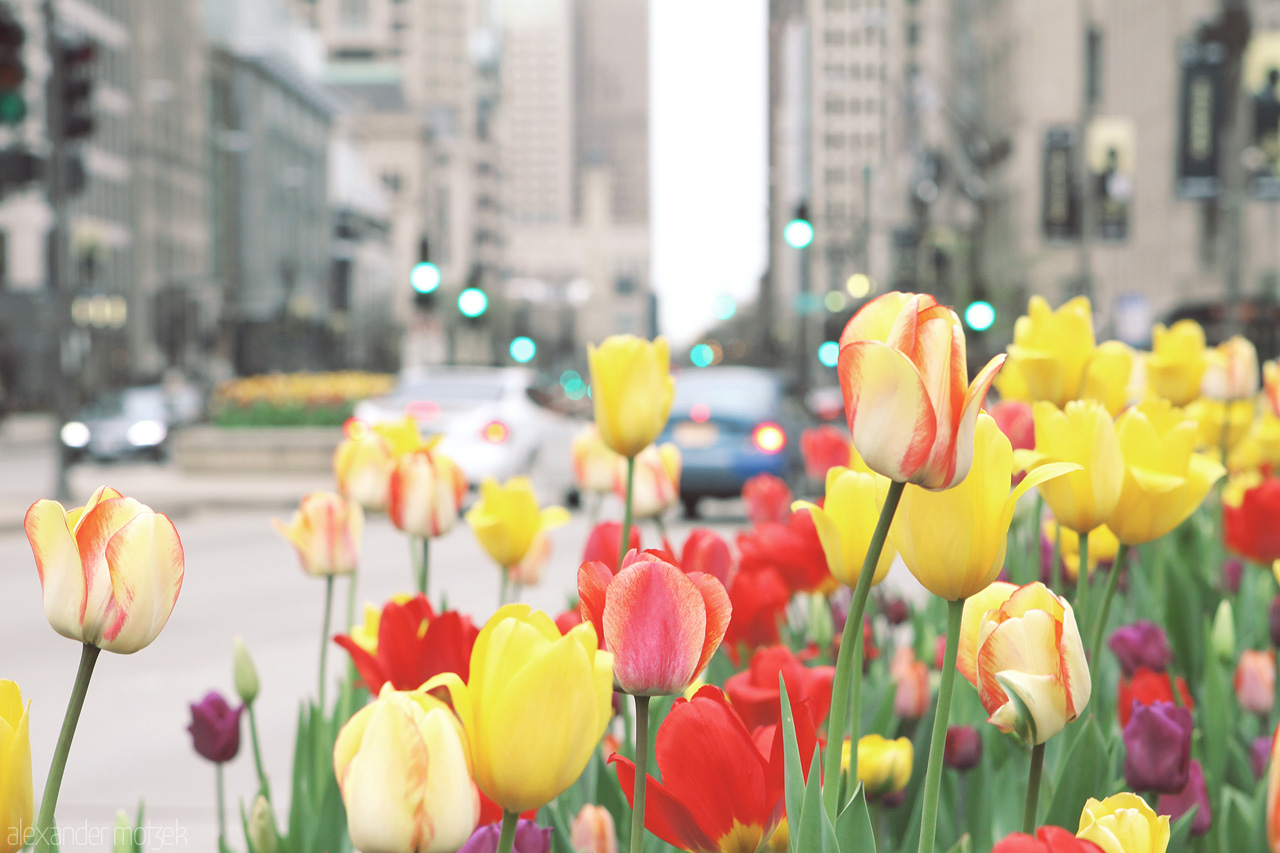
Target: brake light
{"x": 769, "y": 438}
{"x": 700, "y": 413}
{"x": 495, "y": 432}
{"x": 355, "y": 429}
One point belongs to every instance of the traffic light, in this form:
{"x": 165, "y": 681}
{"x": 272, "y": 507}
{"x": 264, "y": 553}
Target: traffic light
{"x": 77, "y": 54}
{"x": 523, "y": 349}
{"x": 799, "y": 231}
{"x": 980, "y": 315}
{"x": 13, "y": 72}
{"x": 424, "y": 278}
{"x": 473, "y": 302}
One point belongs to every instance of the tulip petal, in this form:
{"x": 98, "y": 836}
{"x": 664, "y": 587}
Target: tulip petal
{"x": 145, "y": 562}
{"x": 875, "y": 321}
{"x": 554, "y": 516}
{"x": 594, "y": 578}
{"x": 1036, "y": 476}
{"x": 890, "y": 415}
{"x": 719, "y": 612}
{"x": 655, "y": 623}
{"x": 383, "y": 782}
{"x": 664, "y": 815}
{"x": 962, "y": 459}
{"x": 58, "y": 564}
{"x": 975, "y": 607}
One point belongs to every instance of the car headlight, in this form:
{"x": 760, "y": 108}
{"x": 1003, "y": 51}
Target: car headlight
{"x": 75, "y": 434}
{"x": 146, "y": 433}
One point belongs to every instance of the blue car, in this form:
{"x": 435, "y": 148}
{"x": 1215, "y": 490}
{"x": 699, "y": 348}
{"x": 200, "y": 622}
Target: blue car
{"x": 732, "y": 423}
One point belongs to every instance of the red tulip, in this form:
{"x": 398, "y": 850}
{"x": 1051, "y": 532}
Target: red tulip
{"x": 1145, "y": 688}
{"x": 568, "y": 619}
{"x": 1048, "y": 839}
{"x": 604, "y": 543}
{"x": 1252, "y": 528}
{"x": 414, "y": 644}
{"x": 768, "y": 499}
{"x": 792, "y": 549}
{"x": 720, "y": 793}
{"x": 823, "y": 448}
{"x": 1255, "y": 681}
{"x": 1016, "y": 422}
{"x": 706, "y": 551}
{"x": 911, "y": 696}
{"x": 661, "y": 625}
{"x": 759, "y": 600}
{"x": 754, "y": 691}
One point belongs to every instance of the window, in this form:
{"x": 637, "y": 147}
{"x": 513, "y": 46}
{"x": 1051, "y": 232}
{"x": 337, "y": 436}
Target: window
{"x": 835, "y": 140}
{"x": 835, "y": 176}
{"x": 835, "y": 106}
{"x": 353, "y": 14}
{"x": 834, "y": 37}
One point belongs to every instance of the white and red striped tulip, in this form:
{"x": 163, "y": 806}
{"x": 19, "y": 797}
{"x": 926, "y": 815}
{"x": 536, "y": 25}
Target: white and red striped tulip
{"x": 110, "y": 570}
{"x": 326, "y": 532}
{"x": 910, "y": 406}
{"x": 657, "y": 481}
{"x": 425, "y": 494}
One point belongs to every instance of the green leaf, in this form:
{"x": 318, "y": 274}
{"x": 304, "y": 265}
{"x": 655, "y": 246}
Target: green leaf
{"x": 814, "y": 832}
{"x": 1084, "y": 773}
{"x": 1216, "y": 723}
{"x": 853, "y": 825}
{"x": 964, "y": 845}
{"x": 1181, "y": 830}
{"x": 794, "y": 789}
{"x": 1237, "y": 831}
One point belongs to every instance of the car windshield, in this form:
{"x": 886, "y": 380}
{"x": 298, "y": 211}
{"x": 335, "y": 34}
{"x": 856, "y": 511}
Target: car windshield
{"x": 732, "y": 395}
{"x": 451, "y": 390}
{"x": 137, "y": 403}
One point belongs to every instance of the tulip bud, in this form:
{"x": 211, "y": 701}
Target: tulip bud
{"x": 1142, "y": 644}
{"x": 593, "y": 831}
{"x": 1260, "y": 756}
{"x": 1157, "y": 742}
{"x": 122, "y": 838}
{"x": 263, "y": 837}
{"x": 529, "y": 839}
{"x": 244, "y": 672}
{"x": 1222, "y": 637}
{"x": 821, "y": 625}
{"x": 911, "y": 696}
{"x": 963, "y": 748}
{"x": 1273, "y": 621}
{"x": 1194, "y": 793}
{"x": 896, "y": 611}
{"x": 1255, "y": 681}
{"x": 215, "y": 728}
{"x": 1232, "y": 574}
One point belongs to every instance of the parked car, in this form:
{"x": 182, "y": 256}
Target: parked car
{"x": 125, "y": 423}
{"x": 730, "y": 424}
{"x": 494, "y": 422}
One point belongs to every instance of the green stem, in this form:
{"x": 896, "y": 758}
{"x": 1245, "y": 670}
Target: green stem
{"x": 263, "y": 785}
{"x": 45, "y": 832}
{"x": 222, "y": 809}
{"x": 1033, "y": 789}
{"x": 424, "y": 567}
{"x": 849, "y": 646}
{"x": 626, "y": 513}
{"x": 507, "y": 839}
{"x": 933, "y": 775}
{"x": 324, "y": 636}
{"x": 503, "y": 587}
{"x": 351, "y": 600}
{"x": 1036, "y": 533}
{"x": 1055, "y": 568}
{"x": 642, "y": 771}
{"x": 1100, "y": 624}
{"x": 1082, "y": 585}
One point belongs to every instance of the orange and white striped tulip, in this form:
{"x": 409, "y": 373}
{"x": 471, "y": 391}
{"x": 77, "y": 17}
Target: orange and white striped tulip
{"x": 594, "y": 463}
{"x": 1273, "y": 795}
{"x": 110, "y": 570}
{"x": 1232, "y": 372}
{"x": 593, "y": 831}
{"x": 425, "y": 494}
{"x": 1271, "y": 385}
{"x": 1025, "y": 656}
{"x": 326, "y": 531}
{"x": 403, "y": 768}
{"x": 910, "y": 406}
{"x": 657, "y": 484}
{"x": 363, "y": 462}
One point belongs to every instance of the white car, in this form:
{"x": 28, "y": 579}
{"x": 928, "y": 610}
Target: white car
{"x": 490, "y": 421}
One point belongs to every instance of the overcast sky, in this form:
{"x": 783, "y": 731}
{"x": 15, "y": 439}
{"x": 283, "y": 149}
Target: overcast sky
{"x": 708, "y": 99}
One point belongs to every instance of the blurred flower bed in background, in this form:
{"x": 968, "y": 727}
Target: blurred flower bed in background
{"x": 294, "y": 399}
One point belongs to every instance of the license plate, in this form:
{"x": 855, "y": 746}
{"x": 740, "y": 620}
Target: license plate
{"x": 690, "y": 434}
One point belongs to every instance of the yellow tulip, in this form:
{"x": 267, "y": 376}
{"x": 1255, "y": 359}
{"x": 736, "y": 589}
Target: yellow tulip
{"x": 325, "y": 530}
{"x": 1260, "y": 445}
{"x": 1271, "y": 386}
{"x": 884, "y": 766}
{"x": 1103, "y": 547}
{"x": 1232, "y": 372}
{"x": 1220, "y": 422}
{"x": 507, "y": 519}
{"x": 1164, "y": 480}
{"x": 1084, "y": 434}
{"x": 954, "y": 541}
{"x": 1177, "y": 361}
{"x": 1011, "y": 385}
{"x": 404, "y": 772}
{"x": 845, "y": 523}
{"x": 632, "y": 389}
{"x": 17, "y": 802}
{"x": 1108, "y": 376}
{"x": 1124, "y": 823}
{"x": 535, "y": 707}
{"x": 1051, "y": 349}
{"x": 363, "y": 462}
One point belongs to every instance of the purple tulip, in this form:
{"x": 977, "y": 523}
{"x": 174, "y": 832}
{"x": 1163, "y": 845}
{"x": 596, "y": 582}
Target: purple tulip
{"x": 963, "y": 748}
{"x": 1157, "y": 747}
{"x": 1140, "y": 644}
{"x": 1046, "y": 559}
{"x": 1273, "y": 621}
{"x": 215, "y": 728}
{"x": 529, "y": 839}
{"x": 1232, "y": 574}
{"x": 1194, "y": 794}
{"x": 1260, "y": 756}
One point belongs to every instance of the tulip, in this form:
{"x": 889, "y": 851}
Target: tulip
{"x": 1016, "y": 421}
{"x": 1085, "y": 435}
{"x": 963, "y": 748}
{"x": 794, "y": 550}
{"x": 413, "y": 645}
{"x": 425, "y": 493}
{"x": 529, "y": 838}
{"x": 1222, "y": 632}
{"x": 632, "y": 389}
{"x": 404, "y": 772}
{"x": 755, "y": 694}
{"x": 520, "y": 667}
{"x": 110, "y": 571}
{"x": 657, "y": 481}
{"x": 845, "y": 524}
{"x": 720, "y": 793}
{"x": 1104, "y": 547}
{"x": 593, "y": 831}
{"x": 1145, "y": 688}
{"x": 1232, "y": 370}
{"x": 17, "y": 800}
{"x": 661, "y": 625}
{"x": 911, "y": 680}
{"x": 261, "y": 830}
{"x": 1271, "y": 386}
{"x": 1124, "y": 823}
{"x": 1193, "y": 794}
{"x": 1157, "y": 747}
{"x": 1232, "y": 574}
{"x": 1251, "y": 520}
{"x": 1177, "y": 363}
{"x": 1048, "y": 839}
{"x": 1260, "y": 447}
{"x": 767, "y": 498}
{"x": 507, "y": 519}
{"x": 706, "y": 551}
{"x": 325, "y": 530}
{"x": 362, "y": 463}
{"x": 1220, "y": 425}
{"x": 215, "y": 728}
{"x": 1142, "y": 644}
{"x": 884, "y": 766}
{"x": 823, "y": 448}
{"x": 1255, "y": 681}
{"x": 594, "y": 463}
{"x": 1051, "y": 349}
{"x": 605, "y": 541}
{"x": 1109, "y": 375}
{"x": 895, "y": 610}
{"x": 245, "y": 674}
{"x": 1273, "y": 794}
{"x": 1164, "y": 481}
{"x": 954, "y": 541}
{"x": 1260, "y": 755}
{"x": 529, "y": 570}
{"x": 910, "y": 406}
{"x": 759, "y": 600}
{"x": 1026, "y": 658}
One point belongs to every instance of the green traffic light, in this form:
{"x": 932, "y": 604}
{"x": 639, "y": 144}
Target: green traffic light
{"x": 472, "y": 302}
{"x": 13, "y": 108}
{"x": 425, "y": 277}
{"x": 523, "y": 349}
{"x": 980, "y": 315}
{"x": 798, "y": 233}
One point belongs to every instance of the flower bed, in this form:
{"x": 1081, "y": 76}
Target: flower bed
{"x": 295, "y": 399}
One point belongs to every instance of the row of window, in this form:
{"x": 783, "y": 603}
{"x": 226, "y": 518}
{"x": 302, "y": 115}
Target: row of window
{"x": 835, "y": 72}
{"x": 853, "y": 106}
{"x": 852, "y": 140}
{"x": 855, "y": 37}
